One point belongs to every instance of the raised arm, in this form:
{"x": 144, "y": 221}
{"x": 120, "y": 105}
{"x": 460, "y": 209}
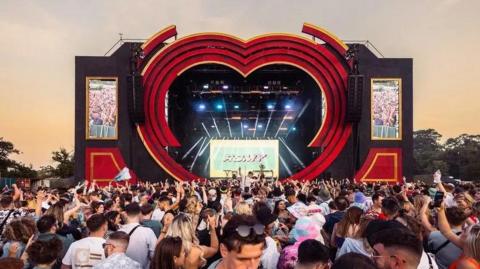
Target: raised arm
{"x": 213, "y": 248}
{"x": 424, "y": 216}
{"x": 445, "y": 228}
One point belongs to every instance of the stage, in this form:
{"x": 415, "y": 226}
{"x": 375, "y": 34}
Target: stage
{"x": 211, "y": 105}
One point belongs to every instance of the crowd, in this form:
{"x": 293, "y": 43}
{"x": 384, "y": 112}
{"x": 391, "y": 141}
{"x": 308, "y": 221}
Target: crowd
{"x": 386, "y": 107}
{"x": 217, "y": 224}
{"x": 102, "y": 106}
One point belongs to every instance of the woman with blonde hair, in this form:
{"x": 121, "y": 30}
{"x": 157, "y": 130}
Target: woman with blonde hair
{"x": 196, "y": 254}
{"x": 243, "y": 208}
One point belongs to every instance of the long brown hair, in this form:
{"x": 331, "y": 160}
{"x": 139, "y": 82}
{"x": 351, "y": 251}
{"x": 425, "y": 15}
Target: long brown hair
{"x": 168, "y": 248}
{"x": 351, "y": 217}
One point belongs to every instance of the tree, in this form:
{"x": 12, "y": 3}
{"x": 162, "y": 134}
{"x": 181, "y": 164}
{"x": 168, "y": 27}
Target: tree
{"x": 6, "y": 149}
{"x": 64, "y": 161}
{"x": 428, "y": 152}
{"x": 462, "y": 154}
{"x": 12, "y": 168}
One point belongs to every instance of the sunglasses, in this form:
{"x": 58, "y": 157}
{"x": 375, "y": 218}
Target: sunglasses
{"x": 106, "y": 244}
{"x": 245, "y": 230}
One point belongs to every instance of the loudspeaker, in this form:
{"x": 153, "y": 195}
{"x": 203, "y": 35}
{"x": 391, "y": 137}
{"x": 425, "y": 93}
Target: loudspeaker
{"x": 354, "y": 98}
{"x": 135, "y": 99}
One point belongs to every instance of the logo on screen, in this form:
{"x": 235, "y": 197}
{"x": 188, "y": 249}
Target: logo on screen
{"x": 249, "y": 158}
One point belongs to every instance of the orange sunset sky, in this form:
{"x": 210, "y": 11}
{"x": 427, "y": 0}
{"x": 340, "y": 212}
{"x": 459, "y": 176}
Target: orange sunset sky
{"x": 39, "y": 40}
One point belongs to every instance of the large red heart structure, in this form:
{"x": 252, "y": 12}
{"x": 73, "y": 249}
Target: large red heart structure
{"x": 324, "y": 62}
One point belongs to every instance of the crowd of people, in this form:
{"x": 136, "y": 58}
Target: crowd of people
{"x": 386, "y": 107}
{"x": 102, "y": 104}
{"x": 221, "y": 224}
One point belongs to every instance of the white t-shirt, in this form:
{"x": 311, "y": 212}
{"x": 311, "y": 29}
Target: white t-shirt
{"x": 141, "y": 246}
{"x": 85, "y": 253}
{"x": 270, "y": 254}
{"x": 425, "y": 263}
{"x": 158, "y": 214}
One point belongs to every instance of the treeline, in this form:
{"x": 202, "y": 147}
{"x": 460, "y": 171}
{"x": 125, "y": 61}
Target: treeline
{"x": 62, "y": 160}
{"x": 458, "y": 157}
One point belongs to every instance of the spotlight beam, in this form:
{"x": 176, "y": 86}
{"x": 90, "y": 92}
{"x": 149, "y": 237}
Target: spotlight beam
{"x": 196, "y": 155}
{"x": 204, "y": 148}
{"x": 216, "y": 127}
{"x": 292, "y": 153}
{"x": 205, "y": 128}
{"x": 299, "y": 115}
{"x": 268, "y": 123}
{"x": 281, "y": 123}
{"x": 285, "y": 166}
{"x": 226, "y": 116}
{"x": 256, "y": 122}
{"x": 241, "y": 128}
{"x": 190, "y": 150}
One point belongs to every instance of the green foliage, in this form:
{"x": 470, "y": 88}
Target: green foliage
{"x": 12, "y": 168}
{"x": 64, "y": 164}
{"x": 458, "y": 157}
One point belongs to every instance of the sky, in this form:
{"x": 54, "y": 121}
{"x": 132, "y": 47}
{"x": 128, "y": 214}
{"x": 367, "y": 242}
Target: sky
{"x": 40, "y": 39}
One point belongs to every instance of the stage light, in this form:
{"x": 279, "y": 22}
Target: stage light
{"x": 265, "y": 87}
{"x": 236, "y": 106}
{"x": 212, "y": 126}
{"x": 270, "y": 106}
{"x": 205, "y": 86}
{"x": 260, "y": 126}
{"x": 245, "y": 126}
{"x": 294, "y": 128}
{"x": 225, "y": 87}
{"x": 288, "y": 106}
{"x": 219, "y": 106}
{"x": 201, "y": 107}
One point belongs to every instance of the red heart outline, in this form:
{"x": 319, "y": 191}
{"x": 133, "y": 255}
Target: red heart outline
{"x": 325, "y": 63}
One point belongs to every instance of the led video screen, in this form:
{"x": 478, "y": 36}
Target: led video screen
{"x": 102, "y": 108}
{"x": 230, "y": 156}
{"x": 386, "y": 109}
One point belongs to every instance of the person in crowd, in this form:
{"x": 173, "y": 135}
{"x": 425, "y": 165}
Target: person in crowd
{"x": 17, "y": 233}
{"x": 354, "y": 261}
{"x": 270, "y": 254}
{"x": 88, "y": 251}
{"x": 396, "y": 248}
{"x": 169, "y": 254}
{"x": 97, "y": 207}
{"x": 281, "y": 211}
{"x": 346, "y": 227}
{"x": 142, "y": 241}
{"x": 341, "y": 204}
{"x": 376, "y": 209}
{"x": 114, "y": 219}
{"x": 47, "y": 227}
{"x": 358, "y": 243}
{"x": 44, "y": 254}
{"x": 312, "y": 255}
{"x": 196, "y": 254}
{"x": 115, "y": 248}
{"x": 147, "y": 211}
{"x": 468, "y": 241}
{"x": 390, "y": 208}
{"x": 242, "y": 243}
{"x": 445, "y": 251}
